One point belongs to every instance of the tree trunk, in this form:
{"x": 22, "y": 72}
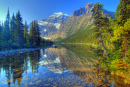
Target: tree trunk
{"x": 104, "y": 48}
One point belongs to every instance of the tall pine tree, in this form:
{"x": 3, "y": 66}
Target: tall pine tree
{"x": 18, "y": 33}
{"x": 31, "y": 34}
{"x": 97, "y": 10}
{"x": 35, "y": 38}
{"x": 6, "y": 30}
{"x": 38, "y": 35}
{"x": 123, "y": 12}
{"x": 25, "y": 32}
{"x": 35, "y": 34}
{"x": 12, "y": 27}
{"x": 121, "y": 28}
{"x": 1, "y": 28}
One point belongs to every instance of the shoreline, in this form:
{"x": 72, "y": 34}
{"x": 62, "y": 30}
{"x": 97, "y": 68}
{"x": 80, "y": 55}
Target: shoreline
{"x": 18, "y": 51}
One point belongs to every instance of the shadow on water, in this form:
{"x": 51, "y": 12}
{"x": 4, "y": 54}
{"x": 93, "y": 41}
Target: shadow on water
{"x": 63, "y": 66}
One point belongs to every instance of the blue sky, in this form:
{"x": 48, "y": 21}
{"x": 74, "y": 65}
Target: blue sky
{"x": 40, "y": 9}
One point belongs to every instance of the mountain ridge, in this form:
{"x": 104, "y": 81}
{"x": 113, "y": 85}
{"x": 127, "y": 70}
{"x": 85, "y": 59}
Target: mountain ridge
{"x": 63, "y": 25}
{"x": 78, "y": 21}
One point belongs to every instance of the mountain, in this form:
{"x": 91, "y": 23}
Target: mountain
{"x": 50, "y": 25}
{"x": 79, "y": 26}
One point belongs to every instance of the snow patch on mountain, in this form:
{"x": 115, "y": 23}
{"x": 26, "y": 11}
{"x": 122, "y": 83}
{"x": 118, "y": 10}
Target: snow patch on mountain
{"x": 42, "y": 23}
{"x": 57, "y": 25}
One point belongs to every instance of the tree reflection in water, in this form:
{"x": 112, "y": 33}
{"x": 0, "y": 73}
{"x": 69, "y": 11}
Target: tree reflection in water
{"x": 14, "y": 66}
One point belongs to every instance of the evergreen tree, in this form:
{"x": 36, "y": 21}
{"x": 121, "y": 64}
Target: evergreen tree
{"x": 122, "y": 37}
{"x": 32, "y": 34}
{"x": 38, "y": 35}
{"x": 121, "y": 28}
{"x": 35, "y": 34}
{"x": 6, "y": 30}
{"x": 1, "y": 28}
{"x": 123, "y": 12}
{"x": 99, "y": 22}
{"x": 18, "y": 33}
{"x": 1, "y": 36}
{"x": 25, "y": 32}
{"x": 12, "y": 27}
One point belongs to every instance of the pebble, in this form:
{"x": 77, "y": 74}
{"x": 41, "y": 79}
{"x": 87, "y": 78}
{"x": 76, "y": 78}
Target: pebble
{"x": 38, "y": 82}
{"x": 46, "y": 84}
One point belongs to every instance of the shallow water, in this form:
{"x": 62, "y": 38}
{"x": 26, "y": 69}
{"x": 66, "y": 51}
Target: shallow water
{"x": 53, "y": 67}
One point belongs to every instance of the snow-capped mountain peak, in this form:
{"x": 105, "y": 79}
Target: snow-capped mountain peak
{"x": 51, "y": 24}
{"x": 59, "y": 14}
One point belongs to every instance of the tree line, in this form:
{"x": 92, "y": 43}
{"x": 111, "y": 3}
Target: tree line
{"x": 14, "y": 34}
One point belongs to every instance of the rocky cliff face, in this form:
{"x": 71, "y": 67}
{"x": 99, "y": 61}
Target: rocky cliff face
{"x": 79, "y": 20}
{"x": 85, "y": 10}
{"x": 50, "y": 25}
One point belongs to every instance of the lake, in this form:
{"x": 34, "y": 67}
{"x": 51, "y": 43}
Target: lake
{"x": 64, "y": 66}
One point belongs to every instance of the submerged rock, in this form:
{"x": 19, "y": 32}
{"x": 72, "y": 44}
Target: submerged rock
{"x": 46, "y": 84}
{"x": 38, "y": 82}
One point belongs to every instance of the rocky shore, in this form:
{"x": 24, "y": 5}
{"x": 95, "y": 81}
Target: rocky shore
{"x": 17, "y": 51}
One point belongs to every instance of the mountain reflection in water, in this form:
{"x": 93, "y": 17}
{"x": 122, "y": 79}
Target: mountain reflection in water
{"x": 59, "y": 67}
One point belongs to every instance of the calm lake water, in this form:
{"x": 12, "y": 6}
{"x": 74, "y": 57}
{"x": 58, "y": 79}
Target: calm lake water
{"x": 73, "y": 66}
